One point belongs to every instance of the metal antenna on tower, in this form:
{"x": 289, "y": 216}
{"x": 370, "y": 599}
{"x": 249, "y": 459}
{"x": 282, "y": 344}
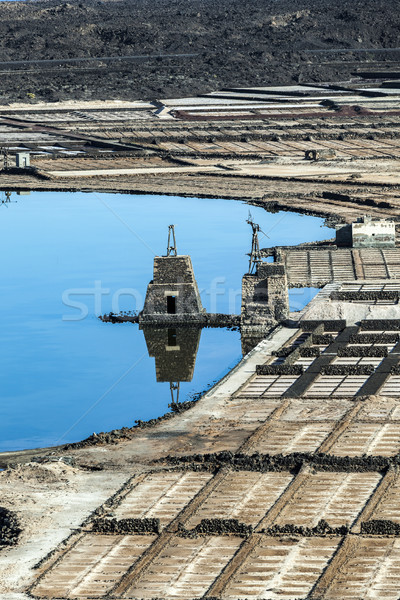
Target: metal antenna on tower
{"x": 175, "y": 387}
{"x": 255, "y": 254}
{"x": 171, "y": 248}
{"x": 6, "y": 162}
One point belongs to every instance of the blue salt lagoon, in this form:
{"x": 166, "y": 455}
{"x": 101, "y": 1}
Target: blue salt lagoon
{"x": 70, "y": 257}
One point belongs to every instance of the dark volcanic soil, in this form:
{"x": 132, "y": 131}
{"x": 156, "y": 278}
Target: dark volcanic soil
{"x": 237, "y": 42}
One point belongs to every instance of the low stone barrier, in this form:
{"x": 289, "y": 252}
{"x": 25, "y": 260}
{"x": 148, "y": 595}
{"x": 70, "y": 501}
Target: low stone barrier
{"x": 362, "y": 351}
{"x": 374, "y": 338}
{"x": 292, "y": 353}
{"x": 285, "y": 369}
{"x": 324, "y": 339}
{"x": 334, "y": 325}
{"x": 126, "y": 526}
{"x": 366, "y": 296}
{"x": 10, "y": 529}
{"x": 347, "y": 369}
{"x": 186, "y": 320}
{"x": 217, "y": 527}
{"x": 309, "y": 352}
{"x": 320, "y": 530}
{"x": 277, "y": 462}
{"x": 284, "y": 352}
{"x": 380, "y": 324}
{"x": 380, "y": 527}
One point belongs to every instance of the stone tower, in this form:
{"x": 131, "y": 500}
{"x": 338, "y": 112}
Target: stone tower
{"x": 265, "y": 299}
{"x": 172, "y": 296}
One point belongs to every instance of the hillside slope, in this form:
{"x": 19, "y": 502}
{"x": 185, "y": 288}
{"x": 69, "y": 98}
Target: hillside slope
{"x": 236, "y": 42}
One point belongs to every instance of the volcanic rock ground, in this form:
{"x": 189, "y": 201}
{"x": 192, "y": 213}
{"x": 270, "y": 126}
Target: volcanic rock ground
{"x": 235, "y": 42}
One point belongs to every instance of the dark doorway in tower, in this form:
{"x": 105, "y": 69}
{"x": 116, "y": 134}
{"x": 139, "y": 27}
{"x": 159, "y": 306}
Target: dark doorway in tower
{"x": 171, "y": 305}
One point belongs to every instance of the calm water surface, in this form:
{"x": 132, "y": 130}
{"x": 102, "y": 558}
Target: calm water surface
{"x": 65, "y": 374}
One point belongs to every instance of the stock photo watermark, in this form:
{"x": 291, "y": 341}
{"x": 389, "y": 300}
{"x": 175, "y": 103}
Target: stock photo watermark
{"x": 90, "y": 300}
{"x": 97, "y": 300}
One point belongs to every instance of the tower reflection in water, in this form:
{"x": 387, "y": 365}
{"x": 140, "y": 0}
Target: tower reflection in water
{"x": 175, "y": 352}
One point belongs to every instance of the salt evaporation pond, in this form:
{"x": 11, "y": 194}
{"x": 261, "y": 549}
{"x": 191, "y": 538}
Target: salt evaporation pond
{"x": 65, "y": 377}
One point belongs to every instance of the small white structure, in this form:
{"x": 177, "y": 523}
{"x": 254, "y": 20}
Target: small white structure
{"x": 23, "y": 160}
{"x": 367, "y": 232}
